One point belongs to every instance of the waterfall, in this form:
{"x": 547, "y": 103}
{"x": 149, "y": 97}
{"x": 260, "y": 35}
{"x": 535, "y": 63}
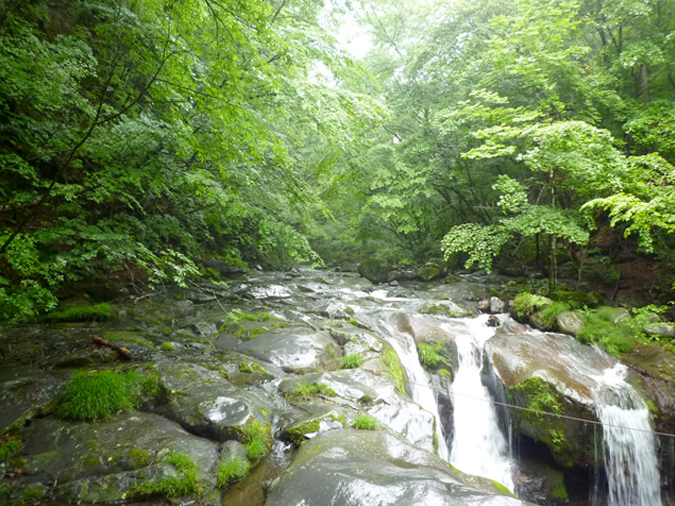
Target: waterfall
{"x": 629, "y": 452}
{"x": 418, "y": 381}
{"x": 479, "y": 447}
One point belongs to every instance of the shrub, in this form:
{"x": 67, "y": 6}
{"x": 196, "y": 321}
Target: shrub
{"x": 97, "y": 395}
{"x": 351, "y": 361}
{"x": 365, "y": 422}
{"x": 231, "y": 469}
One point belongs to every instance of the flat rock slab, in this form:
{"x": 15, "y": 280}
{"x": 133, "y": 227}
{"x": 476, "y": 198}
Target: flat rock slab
{"x": 292, "y": 349}
{"x": 364, "y": 468}
{"x": 24, "y": 391}
{"x": 101, "y": 462}
{"x": 205, "y": 403}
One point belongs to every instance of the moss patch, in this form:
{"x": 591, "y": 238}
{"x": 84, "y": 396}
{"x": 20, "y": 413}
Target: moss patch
{"x": 391, "y": 360}
{"x": 296, "y": 434}
{"x": 305, "y": 392}
{"x": 231, "y": 469}
{"x": 183, "y": 484}
{"x": 80, "y": 313}
{"x": 365, "y": 422}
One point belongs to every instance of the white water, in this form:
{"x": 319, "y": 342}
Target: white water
{"x": 420, "y": 389}
{"x": 629, "y": 451}
{"x": 478, "y": 446}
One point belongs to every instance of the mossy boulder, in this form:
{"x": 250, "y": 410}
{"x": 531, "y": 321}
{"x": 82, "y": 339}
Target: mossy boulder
{"x": 375, "y": 270}
{"x": 541, "y": 483}
{"x": 569, "y": 322}
{"x": 105, "y": 462}
{"x": 430, "y": 272}
{"x": 528, "y": 364}
{"x": 201, "y": 400}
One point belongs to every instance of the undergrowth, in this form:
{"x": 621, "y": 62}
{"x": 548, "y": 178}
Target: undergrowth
{"x": 391, "y": 360}
{"x": 351, "y": 361}
{"x": 79, "y": 313}
{"x": 305, "y": 392}
{"x": 601, "y": 325}
{"x": 232, "y": 469}
{"x": 365, "y": 422}
{"x": 429, "y": 355}
{"x": 257, "y": 436}
{"x": 96, "y": 395}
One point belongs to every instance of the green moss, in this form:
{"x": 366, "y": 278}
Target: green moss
{"x": 501, "y": 488}
{"x": 429, "y": 355}
{"x": 80, "y": 313}
{"x": 296, "y": 435}
{"x": 550, "y": 312}
{"x": 341, "y": 418}
{"x": 168, "y": 346}
{"x": 251, "y": 367}
{"x": 305, "y": 392}
{"x": 183, "y": 484}
{"x": 429, "y": 273}
{"x": 600, "y": 326}
{"x": 365, "y": 422}
{"x": 351, "y": 361}
{"x": 97, "y": 395}
{"x": 353, "y": 321}
{"x": 139, "y": 457}
{"x": 444, "y": 373}
{"x": 391, "y": 360}
{"x": 539, "y": 396}
{"x": 238, "y": 316}
{"x": 527, "y": 303}
{"x": 231, "y": 469}
{"x": 8, "y": 448}
{"x": 257, "y": 436}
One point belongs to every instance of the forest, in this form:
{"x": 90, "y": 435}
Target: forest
{"x": 140, "y": 140}
{"x": 346, "y": 252}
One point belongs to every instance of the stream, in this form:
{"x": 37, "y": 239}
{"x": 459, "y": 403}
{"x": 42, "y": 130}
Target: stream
{"x": 219, "y": 366}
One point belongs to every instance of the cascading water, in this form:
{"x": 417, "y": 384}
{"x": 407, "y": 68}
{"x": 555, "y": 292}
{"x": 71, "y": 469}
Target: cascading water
{"x": 629, "y": 452}
{"x": 479, "y": 447}
{"x": 421, "y": 391}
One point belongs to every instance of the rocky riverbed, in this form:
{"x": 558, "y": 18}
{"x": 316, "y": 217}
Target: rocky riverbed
{"x": 308, "y": 388}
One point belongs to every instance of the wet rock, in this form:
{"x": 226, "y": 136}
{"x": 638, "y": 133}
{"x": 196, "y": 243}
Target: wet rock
{"x": 661, "y": 329}
{"x": 430, "y": 272}
{"x": 497, "y": 305}
{"x": 295, "y": 349}
{"x": 270, "y": 292}
{"x": 375, "y": 270}
{"x": 25, "y": 392}
{"x": 103, "y": 462}
{"x": 354, "y": 468}
{"x": 569, "y": 322}
{"x": 202, "y": 401}
{"x": 529, "y": 365}
{"x": 445, "y": 308}
{"x": 363, "y": 390}
{"x": 540, "y": 483}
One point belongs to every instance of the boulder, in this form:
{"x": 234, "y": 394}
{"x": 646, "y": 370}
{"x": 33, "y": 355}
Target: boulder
{"x": 202, "y": 401}
{"x": 294, "y": 349}
{"x": 569, "y": 322}
{"x": 106, "y": 462}
{"x": 375, "y": 270}
{"x": 363, "y": 468}
{"x": 530, "y": 367}
{"x": 25, "y": 392}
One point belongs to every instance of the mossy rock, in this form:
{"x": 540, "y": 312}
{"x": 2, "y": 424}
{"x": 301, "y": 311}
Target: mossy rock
{"x": 430, "y": 273}
{"x": 375, "y": 270}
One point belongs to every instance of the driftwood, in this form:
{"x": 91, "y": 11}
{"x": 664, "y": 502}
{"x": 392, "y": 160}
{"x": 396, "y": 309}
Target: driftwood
{"x": 121, "y": 351}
